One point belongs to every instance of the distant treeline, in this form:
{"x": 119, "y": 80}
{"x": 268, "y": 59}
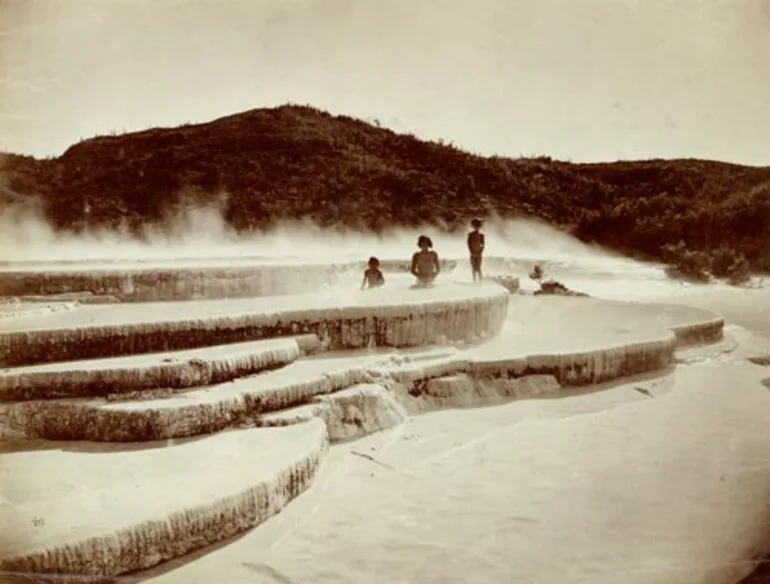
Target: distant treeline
{"x": 297, "y": 162}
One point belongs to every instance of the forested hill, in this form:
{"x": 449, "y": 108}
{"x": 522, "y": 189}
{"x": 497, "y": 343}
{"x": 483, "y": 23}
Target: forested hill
{"x": 299, "y": 162}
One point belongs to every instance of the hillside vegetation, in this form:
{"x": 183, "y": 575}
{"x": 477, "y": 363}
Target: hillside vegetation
{"x": 290, "y": 162}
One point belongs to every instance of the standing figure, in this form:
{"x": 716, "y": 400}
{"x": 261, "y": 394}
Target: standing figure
{"x": 425, "y": 263}
{"x": 476, "y": 242}
{"x": 373, "y": 277}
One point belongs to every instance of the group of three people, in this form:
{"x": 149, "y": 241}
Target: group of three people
{"x": 426, "y": 265}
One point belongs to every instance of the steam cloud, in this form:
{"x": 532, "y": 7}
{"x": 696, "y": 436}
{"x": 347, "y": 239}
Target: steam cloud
{"x": 201, "y": 232}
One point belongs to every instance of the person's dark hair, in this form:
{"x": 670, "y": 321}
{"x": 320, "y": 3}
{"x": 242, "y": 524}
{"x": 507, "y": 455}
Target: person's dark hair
{"x": 424, "y": 239}
{"x": 476, "y": 223}
{"x": 374, "y": 262}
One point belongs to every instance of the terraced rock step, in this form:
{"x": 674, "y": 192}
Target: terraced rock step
{"x": 604, "y": 471}
{"x": 200, "y": 411}
{"x": 175, "y": 280}
{"x": 546, "y": 338}
{"x": 502, "y": 370}
{"x": 169, "y": 282}
{"x": 597, "y": 319}
{"x": 15, "y": 309}
{"x": 386, "y": 317}
{"x": 207, "y": 489}
{"x": 370, "y": 407}
{"x": 77, "y": 297}
{"x": 173, "y": 370}
{"x": 113, "y": 512}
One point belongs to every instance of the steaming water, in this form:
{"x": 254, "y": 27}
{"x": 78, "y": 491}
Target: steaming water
{"x": 198, "y": 235}
{"x": 200, "y": 238}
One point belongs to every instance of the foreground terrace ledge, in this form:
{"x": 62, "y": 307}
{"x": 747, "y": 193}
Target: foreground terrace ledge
{"x": 624, "y": 478}
{"x": 113, "y": 511}
{"x": 391, "y": 316}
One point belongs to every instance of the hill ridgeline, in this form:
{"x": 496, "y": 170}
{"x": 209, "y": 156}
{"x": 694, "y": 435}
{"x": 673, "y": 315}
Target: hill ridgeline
{"x": 265, "y": 166}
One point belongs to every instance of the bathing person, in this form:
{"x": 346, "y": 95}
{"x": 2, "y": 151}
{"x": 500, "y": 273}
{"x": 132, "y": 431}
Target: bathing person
{"x": 425, "y": 263}
{"x": 476, "y": 242}
{"x": 372, "y": 275}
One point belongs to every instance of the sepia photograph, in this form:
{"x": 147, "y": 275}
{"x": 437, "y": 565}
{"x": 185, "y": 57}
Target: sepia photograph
{"x": 385, "y": 291}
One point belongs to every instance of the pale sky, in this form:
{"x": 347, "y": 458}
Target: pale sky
{"x": 574, "y": 79}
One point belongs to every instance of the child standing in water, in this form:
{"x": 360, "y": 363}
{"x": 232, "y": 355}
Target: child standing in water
{"x": 372, "y": 275}
{"x": 425, "y": 263}
{"x": 476, "y": 242}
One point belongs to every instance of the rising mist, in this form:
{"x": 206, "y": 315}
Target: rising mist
{"x": 199, "y": 233}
